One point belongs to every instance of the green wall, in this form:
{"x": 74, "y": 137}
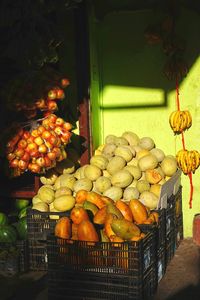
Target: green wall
{"x": 130, "y": 92}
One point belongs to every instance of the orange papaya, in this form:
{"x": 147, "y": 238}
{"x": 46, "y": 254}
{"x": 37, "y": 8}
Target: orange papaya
{"x": 78, "y": 214}
{"x": 63, "y": 228}
{"x": 87, "y": 232}
{"x": 125, "y": 210}
{"x": 138, "y": 210}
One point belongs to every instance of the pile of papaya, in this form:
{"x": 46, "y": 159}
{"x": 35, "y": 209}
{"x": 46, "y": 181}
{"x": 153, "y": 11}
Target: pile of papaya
{"x": 97, "y": 218}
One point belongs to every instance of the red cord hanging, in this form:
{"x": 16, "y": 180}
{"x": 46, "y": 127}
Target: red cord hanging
{"x": 183, "y": 144}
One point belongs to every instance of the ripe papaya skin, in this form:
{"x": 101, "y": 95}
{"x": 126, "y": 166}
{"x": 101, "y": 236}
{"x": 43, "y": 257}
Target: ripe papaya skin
{"x": 95, "y": 199}
{"x": 104, "y": 237}
{"x": 107, "y": 225}
{"x": 78, "y": 214}
{"x": 138, "y": 210}
{"x": 156, "y": 216}
{"x": 107, "y": 200}
{"x": 125, "y": 210}
{"x": 81, "y": 196}
{"x": 63, "y": 228}
{"x": 112, "y": 209}
{"x": 89, "y": 206}
{"x": 87, "y": 232}
{"x": 115, "y": 238}
{"x": 125, "y": 229}
{"x": 100, "y": 216}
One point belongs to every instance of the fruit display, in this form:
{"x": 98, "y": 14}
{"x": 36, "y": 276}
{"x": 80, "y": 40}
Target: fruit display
{"x": 40, "y": 147}
{"x": 98, "y": 218}
{"x": 126, "y": 167}
{"x": 180, "y": 121}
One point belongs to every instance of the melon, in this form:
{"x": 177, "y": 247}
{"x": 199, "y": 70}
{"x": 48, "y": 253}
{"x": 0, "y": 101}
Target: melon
{"x": 169, "y": 166}
{"x": 148, "y": 162}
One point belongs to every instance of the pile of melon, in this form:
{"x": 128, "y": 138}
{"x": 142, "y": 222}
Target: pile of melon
{"x": 126, "y": 167}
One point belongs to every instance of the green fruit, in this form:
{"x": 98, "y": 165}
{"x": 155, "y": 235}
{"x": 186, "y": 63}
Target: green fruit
{"x": 125, "y": 229}
{"x": 91, "y": 207}
{"x": 23, "y": 212}
{"x": 21, "y": 203}
{"x": 21, "y": 227}
{"x": 8, "y": 234}
{"x": 3, "y": 219}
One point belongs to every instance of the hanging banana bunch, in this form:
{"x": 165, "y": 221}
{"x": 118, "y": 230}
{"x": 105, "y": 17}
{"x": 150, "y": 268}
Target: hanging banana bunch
{"x": 188, "y": 161}
{"x": 180, "y": 121}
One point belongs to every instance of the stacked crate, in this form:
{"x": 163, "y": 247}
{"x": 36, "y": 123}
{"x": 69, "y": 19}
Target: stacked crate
{"x": 87, "y": 270}
{"x": 178, "y": 218}
{"x": 14, "y": 258}
{"x": 39, "y": 225}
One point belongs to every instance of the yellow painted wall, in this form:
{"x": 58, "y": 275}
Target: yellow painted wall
{"x": 130, "y": 92}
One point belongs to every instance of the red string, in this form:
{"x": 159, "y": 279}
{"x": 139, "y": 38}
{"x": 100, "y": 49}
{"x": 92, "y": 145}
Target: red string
{"x": 191, "y": 189}
{"x": 177, "y": 96}
{"x": 183, "y": 140}
{"x": 183, "y": 144}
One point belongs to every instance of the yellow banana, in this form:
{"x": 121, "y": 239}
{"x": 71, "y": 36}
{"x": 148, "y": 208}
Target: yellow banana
{"x": 180, "y": 121}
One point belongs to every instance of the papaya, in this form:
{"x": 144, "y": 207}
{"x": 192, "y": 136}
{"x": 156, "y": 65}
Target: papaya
{"x": 117, "y": 239}
{"x": 156, "y": 216}
{"x": 112, "y": 209}
{"x": 63, "y": 228}
{"x": 78, "y": 214}
{"x": 107, "y": 200}
{"x": 81, "y": 196}
{"x": 125, "y": 210}
{"x": 125, "y": 229}
{"x": 87, "y": 232}
{"x": 95, "y": 198}
{"x": 104, "y": 237}
{"x": 100, "y": 216}
{"x": 136, "y": 238}
{"x": 89, "y": 206}
{"x": 107, "y": 225}
{"x": 138, "y": 210}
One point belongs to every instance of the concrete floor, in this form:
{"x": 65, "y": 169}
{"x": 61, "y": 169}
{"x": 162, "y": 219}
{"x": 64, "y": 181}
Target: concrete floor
{"x": 180, "y": 282}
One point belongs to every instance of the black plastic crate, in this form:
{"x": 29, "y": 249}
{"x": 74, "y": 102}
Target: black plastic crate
{"x": 40, "y": 224}
{"x": 161, "y": 263}
{"x": 160, "y": 229}
{"x": 179, "y": 230}
{"x": 178, "y": 203}
{"x": 22, "y": 246}
{"x": 13, "y": 258}
{"x": 170, "y": 219}
{"x": 170, "y": 245}
{"x": 85, "y": 270}
{"x": 37, "y": 255}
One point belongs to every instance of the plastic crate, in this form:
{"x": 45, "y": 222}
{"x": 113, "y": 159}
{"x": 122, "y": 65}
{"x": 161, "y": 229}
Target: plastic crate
{"x": 160, "y": 229}
{"x": 178, "y": 203}
{"x": 85, "y": 270}
{"x": 13, "y": 258}
{"x": 170, "y": 217}
{"x": 37, "y": 255}
{"x": 22, "y": 246}
{"x": 179, "y": 230}
{"x": 170, "y": 245}
{"x": 161, "y": 263}
{"x": 40, "y": 224}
